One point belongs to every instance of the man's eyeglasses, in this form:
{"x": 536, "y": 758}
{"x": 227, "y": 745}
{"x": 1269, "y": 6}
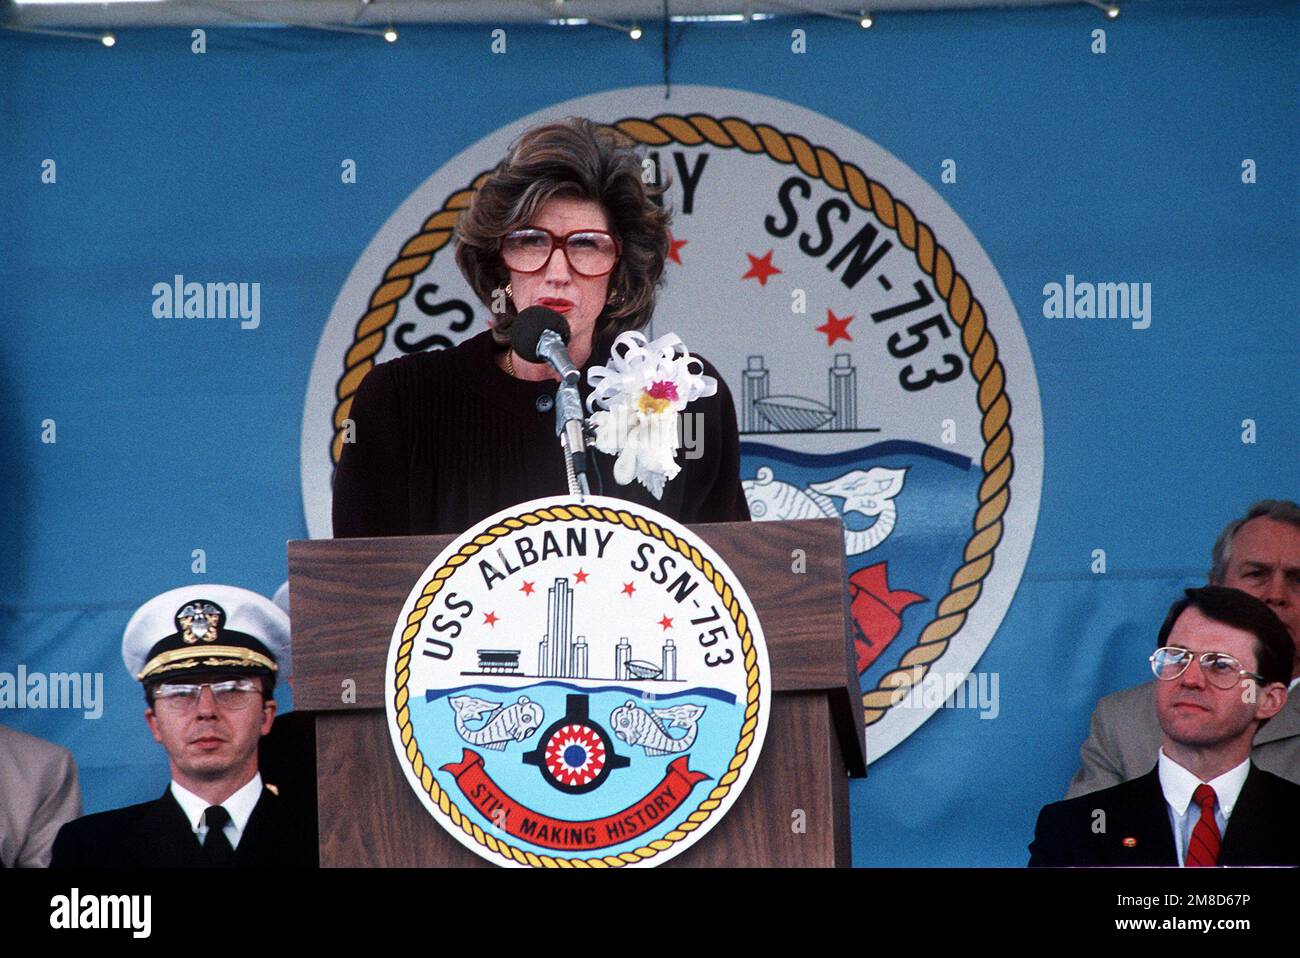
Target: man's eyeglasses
{"x": 1220, "y": 669}
{"x": 589, "y": 252}
{"x": 231, "y": 694}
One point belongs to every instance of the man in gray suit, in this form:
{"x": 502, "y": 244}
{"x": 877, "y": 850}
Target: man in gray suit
{"x": 39, "y": 794}
{"x": 1260, "y": 554}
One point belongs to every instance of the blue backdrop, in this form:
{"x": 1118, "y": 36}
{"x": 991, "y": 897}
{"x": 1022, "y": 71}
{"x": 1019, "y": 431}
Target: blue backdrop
{"x": 179, "y": 436}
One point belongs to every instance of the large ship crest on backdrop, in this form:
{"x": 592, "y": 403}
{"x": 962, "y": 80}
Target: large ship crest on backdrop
{"x": 879, "y": 368}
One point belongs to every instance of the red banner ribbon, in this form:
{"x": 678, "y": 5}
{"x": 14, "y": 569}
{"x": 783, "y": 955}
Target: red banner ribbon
{"x": 547, "y": 832}
{"x": 877, "y": 611}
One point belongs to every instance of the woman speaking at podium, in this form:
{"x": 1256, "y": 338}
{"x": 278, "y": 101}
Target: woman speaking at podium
{"x": 445, "y": 438}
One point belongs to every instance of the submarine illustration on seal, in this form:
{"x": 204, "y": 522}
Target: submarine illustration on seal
{"x": 575, "y": 754}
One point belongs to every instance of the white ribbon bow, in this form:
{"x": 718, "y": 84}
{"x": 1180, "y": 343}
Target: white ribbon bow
{"x": 640, "y": 393}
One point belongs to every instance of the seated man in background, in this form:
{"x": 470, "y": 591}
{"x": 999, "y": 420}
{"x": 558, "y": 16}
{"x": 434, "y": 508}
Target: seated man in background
{"x": 1259, "y": 554}
{"x": 39, "y": 792}
{"x": 207, "y": 656}
{"x": 1221, "y": 667}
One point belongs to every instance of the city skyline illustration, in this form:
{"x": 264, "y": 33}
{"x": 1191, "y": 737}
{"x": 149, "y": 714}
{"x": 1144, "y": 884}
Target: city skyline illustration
{"x": 762, "y": 412}
{"x": 563, "y": 655}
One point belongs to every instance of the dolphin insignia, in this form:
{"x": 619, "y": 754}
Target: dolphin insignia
{"x": 501, "y": 726}
{"x": 636, "y": 726}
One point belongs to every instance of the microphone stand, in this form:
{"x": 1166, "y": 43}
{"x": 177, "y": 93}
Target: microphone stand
{"x": 569, "y": 420}
{"x": 569, "y": 424}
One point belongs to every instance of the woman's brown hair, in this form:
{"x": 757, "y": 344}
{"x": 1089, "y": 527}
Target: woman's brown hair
{"x": 570, "y": 158}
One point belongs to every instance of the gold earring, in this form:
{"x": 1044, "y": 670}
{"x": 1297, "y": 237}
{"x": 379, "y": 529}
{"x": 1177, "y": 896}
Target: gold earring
{"x": 509, "y": 291}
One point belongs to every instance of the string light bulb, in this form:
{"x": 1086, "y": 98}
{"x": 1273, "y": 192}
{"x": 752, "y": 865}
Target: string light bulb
{"x": 108, "y": 39}
{"x": 635, "y": 33}
{"x": 390, "y": 35}
{"x": 865, "y": 20}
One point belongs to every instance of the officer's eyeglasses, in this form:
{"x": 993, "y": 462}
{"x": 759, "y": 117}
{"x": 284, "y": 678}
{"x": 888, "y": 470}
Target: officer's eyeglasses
{"x": 231, "y": 694}
{"x": 1220, "y": 669}
{"x": 589, "y": 252}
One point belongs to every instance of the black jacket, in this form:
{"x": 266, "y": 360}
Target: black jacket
{"x": 1264, "y": 828}
{"x": 445, "y": 439}
{"x": 158, "y": 835}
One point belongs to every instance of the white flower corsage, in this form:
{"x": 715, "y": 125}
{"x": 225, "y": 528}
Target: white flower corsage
{"x": 639, "y": 395}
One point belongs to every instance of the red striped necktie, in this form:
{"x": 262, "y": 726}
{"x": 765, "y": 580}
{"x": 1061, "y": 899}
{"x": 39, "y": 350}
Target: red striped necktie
{"x": 1203, "y": 849}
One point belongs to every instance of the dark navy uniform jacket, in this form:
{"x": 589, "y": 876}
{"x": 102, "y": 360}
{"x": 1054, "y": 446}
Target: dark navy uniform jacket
{"x": 158, "y": 835}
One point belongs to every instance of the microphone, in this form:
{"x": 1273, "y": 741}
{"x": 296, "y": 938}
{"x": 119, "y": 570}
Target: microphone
{"x": 540, "y": 335}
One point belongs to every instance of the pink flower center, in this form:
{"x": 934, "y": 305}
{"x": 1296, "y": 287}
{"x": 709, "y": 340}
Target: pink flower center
{"x": 663, "y": 389}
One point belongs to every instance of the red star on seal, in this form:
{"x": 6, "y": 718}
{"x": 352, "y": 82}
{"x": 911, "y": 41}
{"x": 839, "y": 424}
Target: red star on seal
{"x": 527, "y": 588}
{"x": 580, "y": 576}
{"x": 628, "y": 589}
{"x": 674, "y": 246}
{"x": 490, "y": 618}
{"x": 760, "y": 268}
{"x": 835, "y": 328}
{"x": 666, "y": 622}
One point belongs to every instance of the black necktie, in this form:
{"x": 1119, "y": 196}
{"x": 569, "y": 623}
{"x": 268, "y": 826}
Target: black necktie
{"x": 217, "y": 852}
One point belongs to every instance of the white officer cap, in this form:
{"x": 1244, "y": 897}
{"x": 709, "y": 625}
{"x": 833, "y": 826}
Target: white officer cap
{"x": 206, "y": 628}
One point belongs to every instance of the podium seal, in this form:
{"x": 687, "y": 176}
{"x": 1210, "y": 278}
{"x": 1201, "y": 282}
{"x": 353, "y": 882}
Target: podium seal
{"x": 578, "y": 684}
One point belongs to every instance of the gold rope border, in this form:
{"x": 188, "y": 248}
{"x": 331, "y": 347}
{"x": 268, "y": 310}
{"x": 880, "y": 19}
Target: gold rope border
{"x": 965, "y": 310}
{"x": 564, "y": 513}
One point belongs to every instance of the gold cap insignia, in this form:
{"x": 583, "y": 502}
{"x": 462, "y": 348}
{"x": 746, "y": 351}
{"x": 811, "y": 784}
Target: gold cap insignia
{"x": 200, "y": 621}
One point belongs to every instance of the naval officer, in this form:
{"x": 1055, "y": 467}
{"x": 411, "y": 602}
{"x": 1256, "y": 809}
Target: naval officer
{"x": 208, "y": 657}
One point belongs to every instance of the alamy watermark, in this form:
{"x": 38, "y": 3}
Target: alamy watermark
{"x": 181, "y": 300}
{"x": 951, "y": 690}
{"x": 1071, "y": 300}
{"x": 73, "y": 911}
{"x": 654, "y": 431}
{"x": 54, "y": 690}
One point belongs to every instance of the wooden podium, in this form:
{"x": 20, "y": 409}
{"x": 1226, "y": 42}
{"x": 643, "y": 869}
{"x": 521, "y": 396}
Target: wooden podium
{"x": 348, "y": 593}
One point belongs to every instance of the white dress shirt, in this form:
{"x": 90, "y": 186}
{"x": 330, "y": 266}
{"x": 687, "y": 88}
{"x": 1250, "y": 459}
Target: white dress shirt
{"x": 1178, "y": 784}
{"x": 240, "y": 806}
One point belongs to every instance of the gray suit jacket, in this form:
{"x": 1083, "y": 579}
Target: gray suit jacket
{"x": 39, "y": 792}
{"x": 1124, "y": 741}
